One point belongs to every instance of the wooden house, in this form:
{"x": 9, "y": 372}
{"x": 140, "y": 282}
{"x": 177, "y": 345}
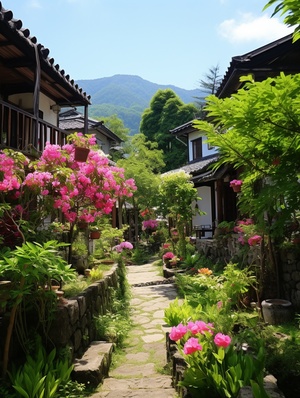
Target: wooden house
{"x": 33, "y": 90}
{"x": 218, "y": 199}
{"x": 74, "y": 121}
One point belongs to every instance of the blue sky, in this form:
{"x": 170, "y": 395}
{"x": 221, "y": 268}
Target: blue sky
{"x": 172, "y": 42}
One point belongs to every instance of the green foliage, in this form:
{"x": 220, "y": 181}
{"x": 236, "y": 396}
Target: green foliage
{"x": 181, "y": 312}
{"x": 140, "y": 256}
{"x": 257, "y": 129}
{"x": 289, "y": 8}
{"x": 143, "y": 163}
{"x": 221, "y": 372}
{"x": 114, "y": 325}
{"x": 72, "y": 289}
{"x": 176, "y": 195}
{"x": 96, "y": 274}
{"x": 37, "y": 263}
{"x": 167, "y": 111}
{"x": 41, "y": 375}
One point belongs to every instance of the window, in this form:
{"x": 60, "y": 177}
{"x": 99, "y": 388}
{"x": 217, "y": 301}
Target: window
{"x": 197, "y": 148}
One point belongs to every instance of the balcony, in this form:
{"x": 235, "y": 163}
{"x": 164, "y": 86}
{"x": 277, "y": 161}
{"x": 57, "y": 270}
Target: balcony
{"x": 22, "y": 131}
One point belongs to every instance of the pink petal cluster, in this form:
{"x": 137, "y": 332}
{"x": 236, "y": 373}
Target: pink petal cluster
{"x": 177, "y": 332}
{"x": 222, "y": 340}
{"x": 168, "y": 256}
{"x": 149, "y": 224}
{"x": 236, "y": 183}
{"x": 8, "y": 171}
{"x": 122, "y": 246}
{"x": 192, "y": 345}
{"x": 254, "y": 240}
{"x": 200, "y": 327}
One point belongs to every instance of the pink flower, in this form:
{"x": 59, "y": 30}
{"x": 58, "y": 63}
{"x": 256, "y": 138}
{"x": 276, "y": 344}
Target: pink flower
{"x": 191, "y": 346}
{"x": 177, "y": 332}
{"x": 254, "y": 240}
{"x": 236, "y": 183}
{"x": 126, "y": 245}
{"x": 222, "y": 340}
{"x": 199, "y": 327}
{"x": 150, "y": 224}
{"x": 168, "y": 256}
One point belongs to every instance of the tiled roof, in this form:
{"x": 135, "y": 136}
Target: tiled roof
{"x": 196, "y": 168}
{"x": 73, "y": 120}
{"x": 21, "y": 42}
{"x": 281, "y": 55}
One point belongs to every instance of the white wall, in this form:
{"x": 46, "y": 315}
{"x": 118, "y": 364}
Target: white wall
{"x": 25, "y": 101}
{"x": 204, "y": 205}
{"x": 205, "y": 147}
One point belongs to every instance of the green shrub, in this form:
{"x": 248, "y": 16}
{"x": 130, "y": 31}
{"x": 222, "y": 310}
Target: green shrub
{"x": 41, "y": 375}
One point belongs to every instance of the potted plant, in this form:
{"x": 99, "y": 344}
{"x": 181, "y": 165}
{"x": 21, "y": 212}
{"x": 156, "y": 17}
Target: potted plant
{"x": 82, "y": 144}
{"x": 236, "y": 185}
{"x": 94, "y": 232}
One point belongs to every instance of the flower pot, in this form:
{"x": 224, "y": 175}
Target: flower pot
{"x": 277, "y": 311}
{"x": 95, "y": 234}
{"x": 81, "y": 154}
{"x": 236, "y": 188}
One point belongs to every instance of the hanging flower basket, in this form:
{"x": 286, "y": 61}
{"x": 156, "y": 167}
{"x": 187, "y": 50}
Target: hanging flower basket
{"x": 95, "y": 235}
{"x": 81, "y": 154}
{"x": 236, "y": 185}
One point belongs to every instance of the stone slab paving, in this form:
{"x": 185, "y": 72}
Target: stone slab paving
{"x": 141, "y": 373}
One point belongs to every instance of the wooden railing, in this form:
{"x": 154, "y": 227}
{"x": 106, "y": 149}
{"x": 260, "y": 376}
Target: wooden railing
{"x": 20, "y": 130}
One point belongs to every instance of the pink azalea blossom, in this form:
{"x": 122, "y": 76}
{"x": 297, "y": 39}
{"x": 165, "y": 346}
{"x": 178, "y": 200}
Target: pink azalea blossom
{"x": 222, "y": 340}
{"x": 177, "y": 332}
{"x": 199, "y": 327}
{"x": 168, "y": 256}
{"x": 192, "y": 345}
{"x": 254, "y": 240}
{"x": 149, "y": 224}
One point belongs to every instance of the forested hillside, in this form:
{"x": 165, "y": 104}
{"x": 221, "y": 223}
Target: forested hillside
{"x": 127, "y": 96}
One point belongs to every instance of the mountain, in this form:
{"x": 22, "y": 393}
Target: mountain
{"x": 127, "y": 96}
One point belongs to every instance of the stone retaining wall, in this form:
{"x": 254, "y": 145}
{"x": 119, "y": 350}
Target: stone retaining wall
{"x": 226, "y": 249}
{"x": 73, "y": 325}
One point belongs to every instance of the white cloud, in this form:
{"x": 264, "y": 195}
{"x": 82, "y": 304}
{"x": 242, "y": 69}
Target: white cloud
{"x": 34, "y": 4}
{"x": 248, "y": 28}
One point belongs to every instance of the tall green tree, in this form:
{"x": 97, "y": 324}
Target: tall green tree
{"x": 176, "y": 195}
{"x": 116, "y": 125}
{"x": 209, "y": 84}
{"x": 258, "y": 130}
{"x": 166, "y": 112}
{"x": 291, "y": 10}
{"x": 143, "y": 162}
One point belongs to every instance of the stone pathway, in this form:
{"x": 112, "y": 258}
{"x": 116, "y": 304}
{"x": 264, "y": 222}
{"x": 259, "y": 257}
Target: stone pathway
{"x": 141, "y": 374}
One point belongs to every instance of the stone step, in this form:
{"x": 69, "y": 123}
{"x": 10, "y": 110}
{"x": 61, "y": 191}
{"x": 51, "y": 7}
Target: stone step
{"x": 144, "y": 393}
{"x": 94, "y": 364}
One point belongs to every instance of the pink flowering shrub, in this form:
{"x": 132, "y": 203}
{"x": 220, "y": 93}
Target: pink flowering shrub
{"x": 216, "y": 365}
{"x": 149, "y": 224}
{"x": 123, "y": 246}
{"x": 168, "y": 256}
{"x": 254, "y": 240}
{"x": 246, "y": 230}
{"x": 80, "y": 191}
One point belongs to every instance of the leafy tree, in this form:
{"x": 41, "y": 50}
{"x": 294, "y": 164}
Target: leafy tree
{"x": 144, "y": 162}
{"x": 116, "y": 125}
{"x": 165, "y": 113}
{"x": 176, "y": 195}
{"x": 209, "y": 84}
{"x": 291, "y": 10}
{"x": 257, "y": 130}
